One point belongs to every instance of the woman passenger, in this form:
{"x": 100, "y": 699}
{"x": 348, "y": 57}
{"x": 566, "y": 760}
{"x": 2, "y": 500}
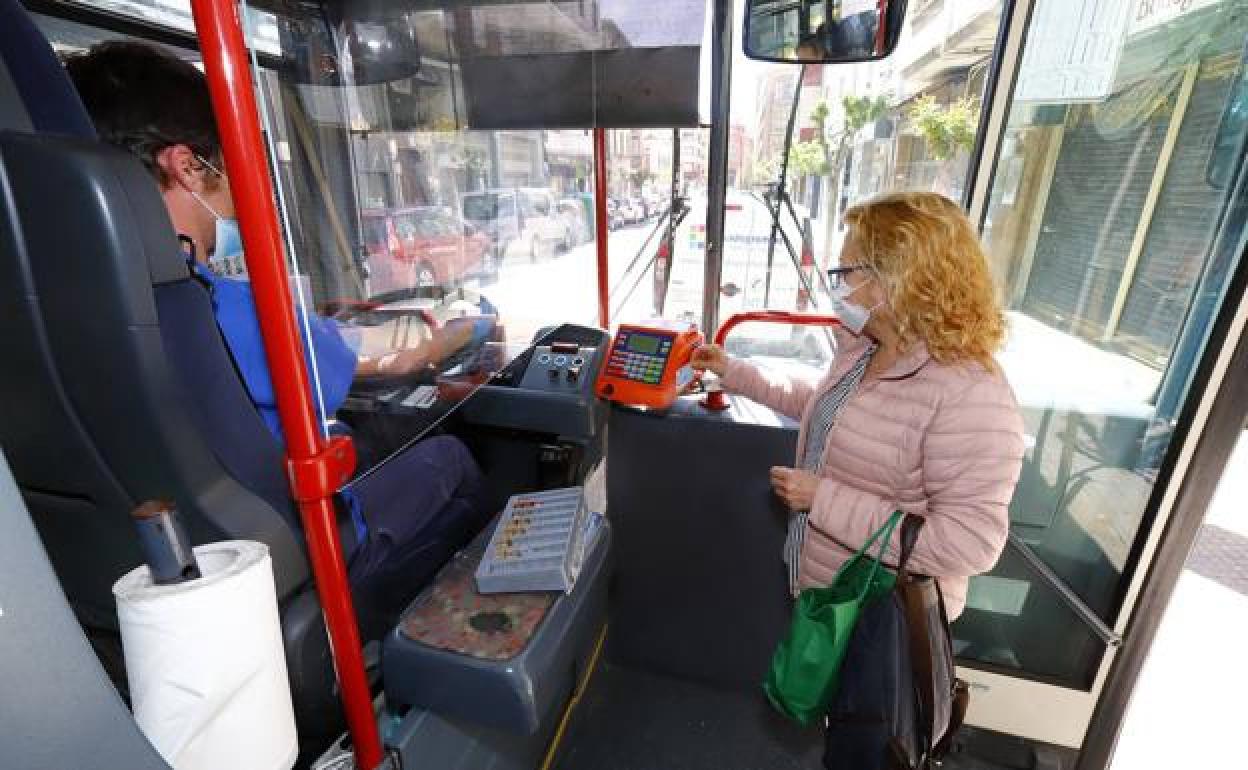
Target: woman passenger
{"x": 914, "y": 413}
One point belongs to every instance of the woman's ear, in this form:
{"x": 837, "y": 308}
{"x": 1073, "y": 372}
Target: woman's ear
{"x": 179, "y": 167}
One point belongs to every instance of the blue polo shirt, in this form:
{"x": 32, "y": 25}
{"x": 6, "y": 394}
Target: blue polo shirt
{"x": 335, "y": 360}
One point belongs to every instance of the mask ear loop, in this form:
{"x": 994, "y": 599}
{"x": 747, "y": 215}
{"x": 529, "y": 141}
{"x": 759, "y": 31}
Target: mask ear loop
{"x": 207, "y": 164}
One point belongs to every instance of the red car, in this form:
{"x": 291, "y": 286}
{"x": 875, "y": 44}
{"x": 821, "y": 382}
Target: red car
{"x": 421, "y": 246}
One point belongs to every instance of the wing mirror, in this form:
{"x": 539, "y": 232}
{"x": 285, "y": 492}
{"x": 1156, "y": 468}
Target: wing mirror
{"x": 822, "y": 31}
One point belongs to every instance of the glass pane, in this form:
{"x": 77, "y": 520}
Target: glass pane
{"x": 1111, "y": 231}
{"x": 438, "y": 253}
{"x": 903, "y": 123}
{"x": 999, "y": 627}
{"x": 647, "y": 277}
{"x": 443, "y": 252}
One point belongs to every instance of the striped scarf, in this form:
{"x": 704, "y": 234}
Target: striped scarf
{"x": 822, "y": 418}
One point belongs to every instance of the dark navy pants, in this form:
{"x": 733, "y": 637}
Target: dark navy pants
{"x": 418, "y": 507}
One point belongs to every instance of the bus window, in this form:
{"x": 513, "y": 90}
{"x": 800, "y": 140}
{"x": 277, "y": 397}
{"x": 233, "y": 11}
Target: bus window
{"x": 905, "y": 122}
{"x": 1113, "y": 247}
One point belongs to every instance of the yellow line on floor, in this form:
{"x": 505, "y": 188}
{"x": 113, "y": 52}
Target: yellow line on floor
{"x": 576, "y": 698}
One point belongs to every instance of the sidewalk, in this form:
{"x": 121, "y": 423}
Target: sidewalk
{"x": 1187, "y": 708}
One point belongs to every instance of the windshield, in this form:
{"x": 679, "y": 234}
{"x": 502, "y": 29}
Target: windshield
{"x": 442, "y": 253}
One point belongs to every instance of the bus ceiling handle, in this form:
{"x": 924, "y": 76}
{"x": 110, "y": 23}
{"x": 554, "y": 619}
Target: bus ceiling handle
{"x": 715, "y": 400}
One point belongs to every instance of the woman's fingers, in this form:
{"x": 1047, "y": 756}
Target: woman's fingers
{"x": 782, "y": 482}
{"x": 710, "y": 357}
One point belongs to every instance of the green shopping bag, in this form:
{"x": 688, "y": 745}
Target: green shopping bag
{"x": 806, "y": 666}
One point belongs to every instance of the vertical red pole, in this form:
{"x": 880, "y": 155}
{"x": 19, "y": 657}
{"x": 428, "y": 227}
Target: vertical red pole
{"x": 316, "y": 468}
{"x": 600, "y": 227}
{"x": 881, "y": 20}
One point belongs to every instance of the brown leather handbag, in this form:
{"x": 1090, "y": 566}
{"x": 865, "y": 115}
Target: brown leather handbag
{"x": 941, "y": 698}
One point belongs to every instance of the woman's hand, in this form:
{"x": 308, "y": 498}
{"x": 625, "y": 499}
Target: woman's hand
{"x": 709, "y": 358}
{"x": 796, "y": 488}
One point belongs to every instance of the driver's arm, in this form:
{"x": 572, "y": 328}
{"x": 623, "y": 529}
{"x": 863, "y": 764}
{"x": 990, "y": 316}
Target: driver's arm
{"x": 442, "y": 344}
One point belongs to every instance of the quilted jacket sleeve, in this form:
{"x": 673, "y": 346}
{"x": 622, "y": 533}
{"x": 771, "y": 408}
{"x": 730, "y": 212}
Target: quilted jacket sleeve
{"x": 783, "y": 394}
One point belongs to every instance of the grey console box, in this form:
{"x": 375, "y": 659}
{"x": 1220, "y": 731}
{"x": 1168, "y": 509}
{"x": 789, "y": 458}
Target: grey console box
{"x": 522, "y": 694}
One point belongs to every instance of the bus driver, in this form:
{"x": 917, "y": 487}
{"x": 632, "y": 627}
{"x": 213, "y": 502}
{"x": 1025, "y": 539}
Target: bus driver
{"x": 157, "y": 106}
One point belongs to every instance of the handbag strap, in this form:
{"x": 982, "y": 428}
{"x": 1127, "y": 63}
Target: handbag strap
{"x": 911, "y": 525}
{"x": 913, "y": 593}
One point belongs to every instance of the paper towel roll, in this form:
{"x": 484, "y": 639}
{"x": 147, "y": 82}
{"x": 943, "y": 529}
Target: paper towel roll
{"x": 205, "y": 662}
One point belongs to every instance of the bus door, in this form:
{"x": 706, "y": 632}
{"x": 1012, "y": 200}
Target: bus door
{"x": 1099, "y": 146}
{"x": 1111, "y": 202}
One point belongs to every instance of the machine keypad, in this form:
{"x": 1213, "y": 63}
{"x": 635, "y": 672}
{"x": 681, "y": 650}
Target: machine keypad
{"x": 638, "y": 366}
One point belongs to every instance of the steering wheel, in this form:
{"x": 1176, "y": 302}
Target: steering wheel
{"x": 428, "y": 307}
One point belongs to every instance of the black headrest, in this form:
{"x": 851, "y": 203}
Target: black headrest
{"x": 45, "y": 92}
{"x": 107, "y": 190}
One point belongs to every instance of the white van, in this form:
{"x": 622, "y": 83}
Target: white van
{"x": 521, "y": 220}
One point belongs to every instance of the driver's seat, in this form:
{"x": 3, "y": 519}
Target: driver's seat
{"x": 117, "y": 387}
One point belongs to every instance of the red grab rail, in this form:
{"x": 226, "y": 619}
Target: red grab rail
{"x": 316, "y": 467}
{"x": 715, "y": 399}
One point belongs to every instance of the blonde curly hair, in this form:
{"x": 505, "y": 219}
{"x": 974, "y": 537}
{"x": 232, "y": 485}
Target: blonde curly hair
{"x": 934, "y": 272}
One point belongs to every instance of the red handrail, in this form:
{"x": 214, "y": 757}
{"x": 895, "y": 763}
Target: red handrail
{"x": 316, "y": 467}
{"x": 715, "y": 399}
{"x": 600, "y": 224}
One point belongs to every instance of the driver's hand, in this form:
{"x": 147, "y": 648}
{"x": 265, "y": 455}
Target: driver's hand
{"x": 710, "y": 358}
{"x": 397, "y": 363}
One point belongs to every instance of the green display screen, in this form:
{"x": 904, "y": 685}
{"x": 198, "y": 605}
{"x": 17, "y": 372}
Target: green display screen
{"x": 642, "y": 344}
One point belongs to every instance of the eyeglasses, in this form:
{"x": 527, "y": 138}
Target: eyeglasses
{"x": 836, "y": 275}
{"x": 209, "y": 164}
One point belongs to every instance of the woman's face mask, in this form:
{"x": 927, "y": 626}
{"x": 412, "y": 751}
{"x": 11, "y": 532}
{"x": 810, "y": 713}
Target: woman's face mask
{"x": 853, "y": 316}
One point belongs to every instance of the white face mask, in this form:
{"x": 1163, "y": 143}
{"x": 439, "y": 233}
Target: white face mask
{"x": 853, "y": 316}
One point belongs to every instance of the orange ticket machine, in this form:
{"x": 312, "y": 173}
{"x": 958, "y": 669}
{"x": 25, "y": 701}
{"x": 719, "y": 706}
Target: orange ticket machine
{"x": 648, "y": 364}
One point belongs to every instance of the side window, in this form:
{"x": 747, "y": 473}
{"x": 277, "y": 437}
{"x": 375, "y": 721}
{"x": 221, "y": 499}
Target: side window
{"x": 907, "y": 122}
{"x": 1114, "y": 237}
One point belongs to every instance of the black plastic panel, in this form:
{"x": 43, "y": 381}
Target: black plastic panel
{"x": 700, "y": 588}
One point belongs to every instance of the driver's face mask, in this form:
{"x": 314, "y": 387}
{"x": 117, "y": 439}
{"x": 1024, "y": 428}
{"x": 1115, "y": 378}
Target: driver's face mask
{"x": 226, "y": 258}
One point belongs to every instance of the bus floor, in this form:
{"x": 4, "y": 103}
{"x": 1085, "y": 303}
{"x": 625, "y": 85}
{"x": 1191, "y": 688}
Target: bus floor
{"x": 630, "y": 719}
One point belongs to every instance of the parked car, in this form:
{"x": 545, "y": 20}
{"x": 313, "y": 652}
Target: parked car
{"x": 631, "y": 211}
{"x": 523, "y": 217}
{"x": 615, "y": 214}
{"x": 422, "y": 246}
{"x": 653, "y": 203}
{"x": 576, "y": 226}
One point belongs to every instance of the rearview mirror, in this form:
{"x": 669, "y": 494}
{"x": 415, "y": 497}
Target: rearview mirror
{"x": 822, "y": 31}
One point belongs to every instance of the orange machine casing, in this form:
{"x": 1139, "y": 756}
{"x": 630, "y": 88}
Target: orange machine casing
{"x": 648, "y": 364}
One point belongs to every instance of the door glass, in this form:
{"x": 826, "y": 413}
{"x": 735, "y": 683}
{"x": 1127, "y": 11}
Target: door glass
{"x": 906, "y": 122}
{"x": 1110, "y": 231}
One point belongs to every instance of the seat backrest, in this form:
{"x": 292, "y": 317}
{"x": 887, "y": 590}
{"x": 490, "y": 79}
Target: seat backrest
{"x": 117, "y": 387}
{"x": 68, "y": 714}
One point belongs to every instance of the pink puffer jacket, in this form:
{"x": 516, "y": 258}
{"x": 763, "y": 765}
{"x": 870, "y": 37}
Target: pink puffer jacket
{"x": 941, "y": 441}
